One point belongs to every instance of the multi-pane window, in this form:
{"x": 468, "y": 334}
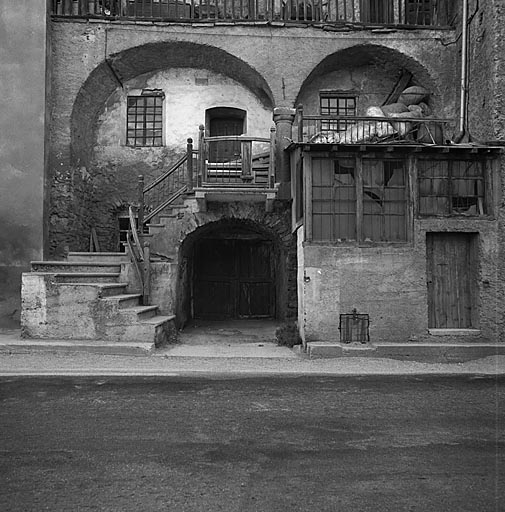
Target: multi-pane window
{"x": 145, "y": 120}
{"x": 451, "y": 187}
{"x": 333, "y": 103}
{"x": 365, "y": 203}
{"x": 384, "y": 201}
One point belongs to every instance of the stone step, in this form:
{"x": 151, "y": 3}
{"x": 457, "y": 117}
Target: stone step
{"x": 86, "y": 277}
{"x": 74, "y": 266}
{"x": 109, "y": 289}
{"x": 139, "y": 313}
{"x": 126, "y": 300}
{"x": 158, "y": 329}
{"x": 100, "y": 257}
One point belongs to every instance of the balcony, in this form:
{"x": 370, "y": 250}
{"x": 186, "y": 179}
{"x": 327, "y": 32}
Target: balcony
{"x": 395, "y": 129}
{"x": 236, "y": 168}
{"x": 343, "y": 13}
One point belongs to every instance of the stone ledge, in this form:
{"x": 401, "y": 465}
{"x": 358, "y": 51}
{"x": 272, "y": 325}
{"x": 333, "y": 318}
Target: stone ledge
{"x": 421, "y": 352}
{"x": 89, "y": 346}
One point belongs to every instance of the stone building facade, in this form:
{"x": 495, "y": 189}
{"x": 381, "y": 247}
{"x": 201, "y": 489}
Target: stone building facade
{"x": 243, "y": 74}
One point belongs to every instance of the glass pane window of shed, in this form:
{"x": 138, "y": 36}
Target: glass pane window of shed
{"x": 145, "y": 121}
{"x": 451, "y": 187}
{"x": 384, "y": 201}
{"x": 338, "y": 190}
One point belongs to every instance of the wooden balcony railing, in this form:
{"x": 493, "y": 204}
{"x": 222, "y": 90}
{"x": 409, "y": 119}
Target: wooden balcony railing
{"x": 409, "y": 13}
{"x": 236, "y": 161}
{"x": 406, "y": 129}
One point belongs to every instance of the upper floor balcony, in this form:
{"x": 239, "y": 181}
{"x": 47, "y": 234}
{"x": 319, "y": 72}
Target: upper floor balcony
{"x": 345, "y": 14}
{"x": 411, "y": 127}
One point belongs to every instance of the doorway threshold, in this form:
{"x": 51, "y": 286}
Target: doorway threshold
{"x": 229, "y": 332}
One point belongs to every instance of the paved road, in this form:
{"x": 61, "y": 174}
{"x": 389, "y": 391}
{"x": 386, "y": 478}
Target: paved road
{"x": 253, "y": 444}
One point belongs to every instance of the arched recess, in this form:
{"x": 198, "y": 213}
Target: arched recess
{"x": 232, "y": 268}
{"x": 367, "y": 69}
{"x": 92, "y": 98}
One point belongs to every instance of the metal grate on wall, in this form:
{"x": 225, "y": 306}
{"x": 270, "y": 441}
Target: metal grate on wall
{"x": 354, "y": 327}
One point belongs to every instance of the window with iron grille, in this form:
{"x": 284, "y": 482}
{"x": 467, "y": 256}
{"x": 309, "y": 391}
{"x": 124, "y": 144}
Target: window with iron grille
{"x": 451, "y": 187}
{"x": 333, "y": 103}
{"x": 145, "y": 120}
{"x": 364, "y": 203}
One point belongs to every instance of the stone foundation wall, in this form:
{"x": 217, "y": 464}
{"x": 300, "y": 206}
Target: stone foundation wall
{"x": 390, "y": 285}
{"x": 172, "y": 243}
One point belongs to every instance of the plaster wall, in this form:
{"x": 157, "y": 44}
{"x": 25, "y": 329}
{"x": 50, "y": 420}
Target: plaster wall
{"x": 188, "y": 93}
{"x": 371, "y": 82}
{"x": 486, "y": 102}
{"x": 389, "y": 284}
{"x": 486, "y": 68}
{"x": 264, "y": 67}
{"x": 22, "y": 81}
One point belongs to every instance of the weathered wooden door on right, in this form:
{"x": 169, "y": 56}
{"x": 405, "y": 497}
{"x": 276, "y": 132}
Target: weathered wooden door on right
{"x": 452, "y": 270}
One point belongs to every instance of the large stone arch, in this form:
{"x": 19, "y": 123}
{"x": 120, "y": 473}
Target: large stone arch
{"x": 382, "y": 57}
{"x": 92, "y": 97}
{"x": 240, "y": 217}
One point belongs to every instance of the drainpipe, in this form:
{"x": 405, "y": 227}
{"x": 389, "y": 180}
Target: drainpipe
{"x": 464, "y": 75}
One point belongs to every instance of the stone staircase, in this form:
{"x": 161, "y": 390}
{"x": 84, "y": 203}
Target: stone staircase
{"x": 90, "y": 296}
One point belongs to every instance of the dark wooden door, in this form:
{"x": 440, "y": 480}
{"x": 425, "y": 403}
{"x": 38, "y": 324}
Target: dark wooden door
{"x": 452, "y": 270}
{"x": 225, "y": 151}
{"x": 233, "y": 278}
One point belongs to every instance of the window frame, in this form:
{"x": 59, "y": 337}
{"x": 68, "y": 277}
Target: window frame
{"x": 359, "y": 201}
{"x": 141, "y": 122}
{"x": 484, "y": 178}
{"x": 328, "y": 125}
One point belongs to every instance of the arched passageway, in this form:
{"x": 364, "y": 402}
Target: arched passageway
{"x": 231, "y": 269}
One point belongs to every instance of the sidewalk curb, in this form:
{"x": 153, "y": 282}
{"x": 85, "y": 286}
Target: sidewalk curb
{"x": 77, "y": 346}
{"x": 217, "y": 375}
{"x": 419, "y": 352}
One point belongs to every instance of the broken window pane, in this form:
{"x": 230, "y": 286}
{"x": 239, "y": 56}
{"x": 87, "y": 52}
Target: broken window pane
{"x": 384, "y": 201}
{"x": 451, "y": 187}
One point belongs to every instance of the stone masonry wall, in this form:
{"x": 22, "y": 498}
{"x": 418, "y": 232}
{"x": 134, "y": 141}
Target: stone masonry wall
{"x": 92, "y": 62}
{"x": 170, "y": 242}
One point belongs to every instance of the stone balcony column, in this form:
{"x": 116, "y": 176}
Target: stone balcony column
{"x": 283, "y": 119}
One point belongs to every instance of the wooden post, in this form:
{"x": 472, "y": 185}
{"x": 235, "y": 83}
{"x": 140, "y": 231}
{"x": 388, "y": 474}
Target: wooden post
{"x": 271, "y": 164}
{"x": 140, "y": 213}
{"x": 359, "y": 197}
{"x": 189, "y": 165}
{"x": 299, "y": 121}
{"x": 307, "y": 177}
{"x": 202, "y": 174}
{"x": 146, "y": 275}
{"x": 246, "y": 150}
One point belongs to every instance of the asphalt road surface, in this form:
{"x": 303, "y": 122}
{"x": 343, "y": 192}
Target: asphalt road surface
{"x": 253, "y": 444}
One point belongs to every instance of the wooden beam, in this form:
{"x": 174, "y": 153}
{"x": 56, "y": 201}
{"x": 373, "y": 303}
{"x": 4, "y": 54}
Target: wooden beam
{"x": 399, "y": 87}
